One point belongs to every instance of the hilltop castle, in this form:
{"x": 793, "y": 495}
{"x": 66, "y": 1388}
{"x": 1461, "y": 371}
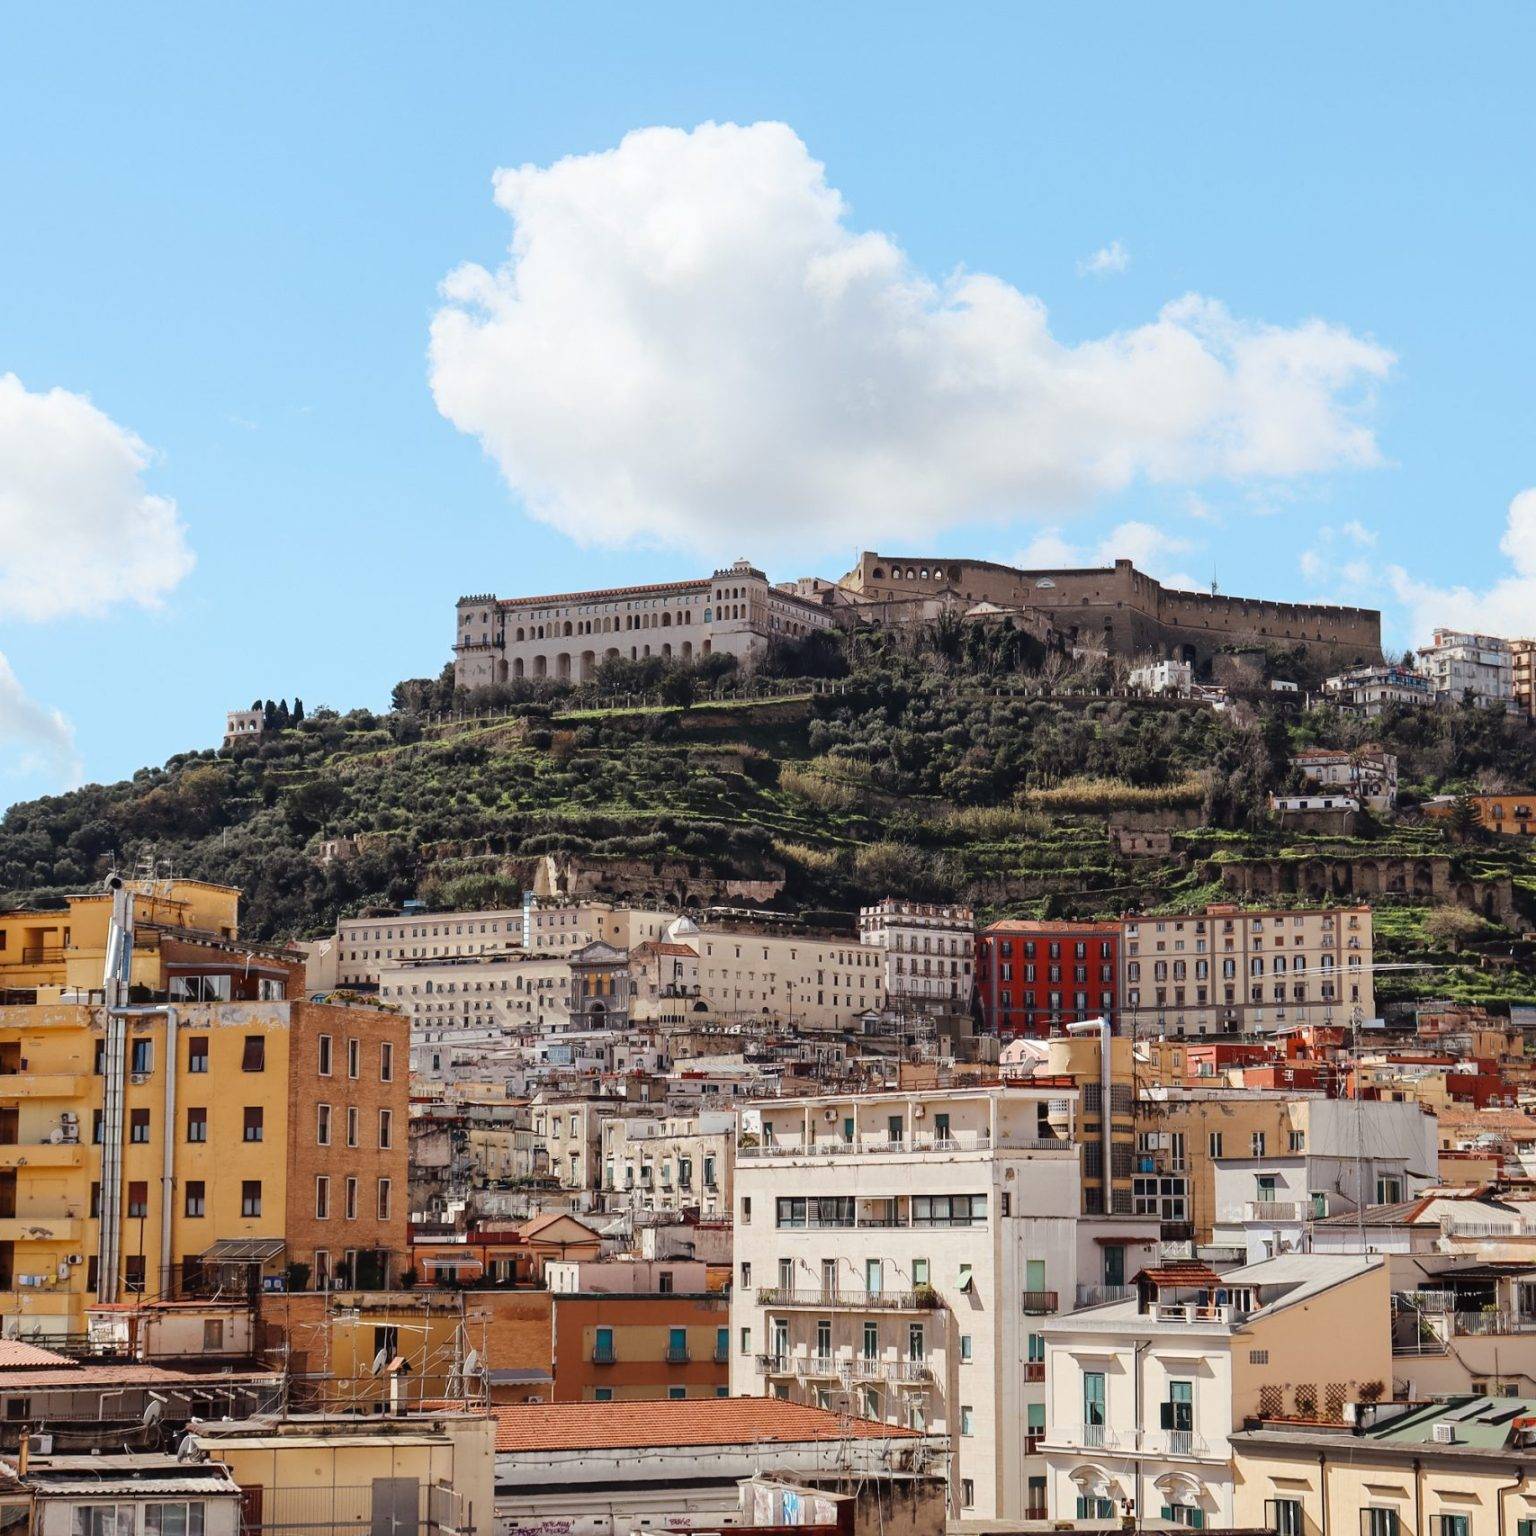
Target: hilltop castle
{"x": 737, "y": 611}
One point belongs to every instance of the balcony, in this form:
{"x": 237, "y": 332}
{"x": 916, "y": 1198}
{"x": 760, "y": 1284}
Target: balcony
{"x": 678, "y": 1354}
{"x": 817, "y": 1368}
{"x": 910, "y": 1373}
{"x": 42, "y": 1085}
{"x": 1037, "y": 1303}
{"x": 42, "y": 954}
{"x": 1196, "y": 1313}
{"x": 41, "y": 1229}
{"x": 921, "y": 1143}
{"x": 849, "y": 1300}
{"x": 1267, "y": 1211}
{"x": 47, "y": 1154}
{"x": 603, "y": 1355}
{"x": 1034, "y": 1370}
{"x": 1097, "y": 1295}
{"x": 722, "y": 1354}
{"x": 774, "y": 1365}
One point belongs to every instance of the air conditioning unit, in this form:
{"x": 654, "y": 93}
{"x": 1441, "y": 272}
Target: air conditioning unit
{"x": 139, "y": 1078}
{"x": 74, "y": 1258}
{"x": 1445, "y": 1433}
{"x": 40, "y": 1445}
{"x": 918, "y": 1111}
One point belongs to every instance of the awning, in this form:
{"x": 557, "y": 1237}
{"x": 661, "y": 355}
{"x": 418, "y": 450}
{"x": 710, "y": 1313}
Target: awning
{"x": 455, "y": 1262}
{"x": 243, "y": 1250}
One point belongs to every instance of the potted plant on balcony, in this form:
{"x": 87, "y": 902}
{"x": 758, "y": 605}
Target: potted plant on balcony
{"x": 924, "y": 1295}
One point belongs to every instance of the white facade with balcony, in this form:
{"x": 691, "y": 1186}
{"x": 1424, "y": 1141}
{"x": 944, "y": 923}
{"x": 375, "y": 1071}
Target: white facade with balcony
{"x": 898, "y": 1254}
{"x": 929, "y": 949}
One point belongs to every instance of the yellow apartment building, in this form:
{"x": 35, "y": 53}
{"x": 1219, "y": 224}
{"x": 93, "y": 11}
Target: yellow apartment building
{"x": 215, "y": 1130}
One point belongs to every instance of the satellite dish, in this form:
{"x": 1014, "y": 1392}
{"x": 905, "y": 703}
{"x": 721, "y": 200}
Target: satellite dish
{"x": 380, "y": 1360}
{"x": 13, "y": 1328}
{"x": 153, "y": 1413}
{"x": 189, "y": 1450}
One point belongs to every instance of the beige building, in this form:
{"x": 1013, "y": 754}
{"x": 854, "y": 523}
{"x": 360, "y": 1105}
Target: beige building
{"x": 569, "y": 1139}
{"x": 1144, "y": 1394}
{"x": 670, "y": 1163}
{"x": 1237, "y": 970}
{"x": 505, "y": 992}
{"x": 567, "y": 636}
{"x": 1457, "y": 1468}
{"x": 928, "y": 949}
{"x": 815, "y": 981}
{"x": 367, "y": 945}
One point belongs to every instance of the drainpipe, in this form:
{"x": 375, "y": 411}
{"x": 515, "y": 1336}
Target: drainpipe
{"x": 1499, "y": 1493}
{"x": 168, "y": 1153}
{"x": 1322, "y": 1487}
{"x": 1418, "y": 1491}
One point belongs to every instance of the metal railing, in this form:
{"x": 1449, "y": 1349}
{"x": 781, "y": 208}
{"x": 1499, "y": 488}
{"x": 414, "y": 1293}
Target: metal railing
{"x": 678, "y": 1354}
{"x": 960, "y": 1141}
{"x": 1097, "y": 1295}
{"x": 854, "y": 1300}
{"x": 773, "y": 1365}
{"x": 1034, "y": 1370}
{"x": 1036, "y": 1302}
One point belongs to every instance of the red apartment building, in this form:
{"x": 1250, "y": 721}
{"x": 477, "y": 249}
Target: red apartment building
{"x": 1035, "y": 978}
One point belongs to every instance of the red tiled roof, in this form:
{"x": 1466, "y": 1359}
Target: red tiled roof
{"x": 1184, "y": 1272}
{"x": 15, "y": 1354}
{"x": 700, "y": 1422}
{"x": 123, "y": 1375}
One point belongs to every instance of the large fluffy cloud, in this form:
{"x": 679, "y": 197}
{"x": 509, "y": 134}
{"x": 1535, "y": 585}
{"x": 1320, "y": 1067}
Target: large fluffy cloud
{"x": 34, "y": 739}
{"x": 1506, "y": 608}
{"x": 689, "y": 343}
{"x": 79, "y": 530}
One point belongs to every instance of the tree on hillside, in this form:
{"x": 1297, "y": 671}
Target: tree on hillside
{"x": 298, "y": 710}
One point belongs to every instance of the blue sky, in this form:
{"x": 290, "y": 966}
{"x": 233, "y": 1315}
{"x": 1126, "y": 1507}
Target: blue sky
{"x": 228, "y": 226}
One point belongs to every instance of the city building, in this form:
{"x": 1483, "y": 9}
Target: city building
{"x": 1236, "y": 970}
{"x": 928, "y": 951}
{"x": 567, "y": 636}
{"x": 1036, "y": 977}
{"x": 897, "y": 1255}
{"x": 1508, "y": 815}
{"x": 366, "y": 946}
{"x": 670, "y": 1162}
{"x": 242, "y": 725}
{"x": 1145, "y": 1392}
{"x": 1455, "y": 1468}
{"x": 1367, "y": 773}
{"x": 490, "y": 995}
{"x": 1464, "y": 667}
{"x": 1370, "y": 690}
{"x": 1175, "y": 677}
{"x": 1522, "y": 678}
{"x": 219, "y": 1132}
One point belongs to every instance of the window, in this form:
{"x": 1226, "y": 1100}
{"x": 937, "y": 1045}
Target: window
{"x": 173, "y": 1519}
{"x": 674, "y": 1393}
{"x": 1389, "y": 1191}
{"x": 142, "y": 1061}
{"x": 1258, "y": 1357}
{"x": 602, "y": 1346}
{"x": 949, "y": 1210}
{"x": 1454, "y": 1525}
{"x": 967, "y": 1492}
{"x": 746, "y": 1210}
{"x": 966, "y": 1348}
{"x": 133, "y": 1273}
{"x": 351, "y": 1199}
{"x": 354, "y": 1057}
{"x": 386, "y": 1062}
{"x": 250, "y": 1197}
{"x": 1378, "y": 1521}
{"x": 351, "y": 1125}
{"x": 602, "y": 1394}
{"x": 197, "y": 1123}
{"x": 213, "y": 1333}
{"x": 1215, "y": 1143}
{"x": 138, "y": 1198}
{"x": 138, "y": 1125}
{"x": 383, "y": 1203}
{"x": 255, "y": 1122}
{"x": 1284, "y": 1516}
{"x": 1090, "y": 1507}
{"x": 254, "y": 1057}
{"x": 1093, "y": 1401}
{"x": 197, "y": 1053}
{"x": 1256, "y": 1144}
{"x": 919, "y": 1271}
{"x": 1178, "y": 1414}
{"x": 967, "y": 1420}
{"x": 323, "y": 1124}
{"x": 322, "y": 1197}
{"x": 386, "y": 1128}
{"x": 102, "y": 1520}
{"x": 325, "y": 1055}
{"x": 196, "y": 1194}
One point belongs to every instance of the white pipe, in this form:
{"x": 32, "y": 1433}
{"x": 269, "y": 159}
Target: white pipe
{"x": 168, "y": 1154}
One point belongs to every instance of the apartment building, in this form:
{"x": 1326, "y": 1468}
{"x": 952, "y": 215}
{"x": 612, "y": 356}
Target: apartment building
{"x": 1466, "y": 667}
{"x": 1246, "y": 1167}
{"x": 1461, "y": 1467}
{"x": 108, "y": 1115}
{"x": 814, "y": 981}
{"x": 928, "y": 949}
{"x": 1522, "y": 674}
{"x": 670, "y": 1163}
{"x": 896, "y": 1256}
{"x": 1036, "y": 977}
{"x": 569, "y": 1138}
{"x": 1368, "y": 774}
{"x": 365, "y": 946}
{"x": 1235, "y": 970}
{"x": 1145, "y": 1392}
{"x": 1370, "y": 690}
{"x": 495, "y": 994}
{"x": 1508, "y": 815}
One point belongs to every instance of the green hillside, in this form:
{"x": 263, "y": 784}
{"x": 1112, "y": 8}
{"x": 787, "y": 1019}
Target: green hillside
{"x": 957, "y": 764}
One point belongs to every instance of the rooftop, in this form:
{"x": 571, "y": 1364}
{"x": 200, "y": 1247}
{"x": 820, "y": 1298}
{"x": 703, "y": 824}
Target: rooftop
{"x": 695, "y": 1422}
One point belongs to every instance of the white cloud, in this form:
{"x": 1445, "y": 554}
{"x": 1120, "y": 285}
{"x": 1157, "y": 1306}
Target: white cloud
{"x": 1148, "y": 547}
{"x": 1506, "y": 608}
{"x": 79, "y": 531}
{"x": 688, "y": 342}
{"x": 34, "y": 738}
{"x": 1107, "y": 261}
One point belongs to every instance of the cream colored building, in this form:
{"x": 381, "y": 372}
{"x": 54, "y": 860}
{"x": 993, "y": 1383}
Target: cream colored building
{"x": 1457, "y": 1468}
{"x": 365, "y": 946}
{"x": 506, "y": 992}
{"x": 569, "y": 1139}
{"x": 566, "y": 636}
{"x": 815, "y": 981}
{"x": 928, "y": 949}
{"x": 897, "y": 1256}
{"x": 670, "y": 1163}
{"x": 1144, "y": 1394}
{"x": 1237, "y": 970}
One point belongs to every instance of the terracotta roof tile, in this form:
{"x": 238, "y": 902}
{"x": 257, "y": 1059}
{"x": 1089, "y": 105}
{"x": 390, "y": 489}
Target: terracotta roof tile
{"x": 700, "y": 1422}
{"x": 17, "y": 1354}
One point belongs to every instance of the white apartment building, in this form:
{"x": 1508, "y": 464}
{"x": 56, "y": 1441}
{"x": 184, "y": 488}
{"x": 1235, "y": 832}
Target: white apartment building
{"x": 670, "y": 1163}
{"x": 1342, "y": 1155}
{"x": 817, "y": 981}
{"x": 896, "y": 1256}
{"x": 928, "y": 950}
{"x": 1176, "y": 677}
{"x": 567, "y": 636}
{"x": 366, "y": 945}
{"x": 1144, "y": 1392}
{"x": 1369, "y": 690}
{"x": 505, "y": 992}
{"x": 1479, "y": 667}
{"x": 1370, "y": 773}
{"x": 569, "y": 1134}
{"x": 1232, "y": 969}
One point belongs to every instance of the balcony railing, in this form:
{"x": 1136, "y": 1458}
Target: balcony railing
{"x": 774, "y": 1365}
{"x": 603, "y": 1356}
{"x": 848, "y": 1300}
{"x": 909, "y": 1373}
{"x": 1097, "y": 1295}
{"x": 1267, "y": 1210}
{"x": 921, "y": 1142}
{"x": 1196, "y": 1312}
{"x": 1034, "y": 1370}
{"x": 678, "y": 1354}
{"x": 1037, "y": 1302}
{"x": 817, "y": 1368}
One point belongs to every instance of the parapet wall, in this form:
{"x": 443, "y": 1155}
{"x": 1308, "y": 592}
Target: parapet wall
{"x": 1127, "y": 611}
